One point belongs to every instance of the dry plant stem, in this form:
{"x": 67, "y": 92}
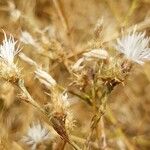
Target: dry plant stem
{"x": 140, "y": 26}
{"x": 61, "y": 14}
{"x": 112, "y": 5}
{"x": 119, "y": 131}
{"x": 60, "y": 145}
{"x": 130, "y": 11}
{"x": 82, "y": 141}
{"x": 31, "y": 101}
{"x": 85, "y": 98}
{"x": 96, "y": 118}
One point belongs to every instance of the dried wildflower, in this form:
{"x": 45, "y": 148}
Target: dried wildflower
{"x": 35, "y": 135}
{"x": 8, "y": 50}
{"x": 45, "y": 78}
{"x": 135, "y": 46}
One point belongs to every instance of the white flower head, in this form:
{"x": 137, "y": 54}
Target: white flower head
{"x": 35, "y": 135}
{"x": 135, "y": 46}
{"x": 8, "y": 49}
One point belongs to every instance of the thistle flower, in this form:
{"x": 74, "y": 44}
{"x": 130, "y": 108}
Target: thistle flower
{"x": 135, "y": 47}
{"x": 8, "y": 50}
{"x": 36, "y": 134}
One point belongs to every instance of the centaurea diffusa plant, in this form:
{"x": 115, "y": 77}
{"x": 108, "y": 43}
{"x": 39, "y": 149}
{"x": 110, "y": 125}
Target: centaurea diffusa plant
{"x": 81, "y": 87}
{"x": 96, "y": 78}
